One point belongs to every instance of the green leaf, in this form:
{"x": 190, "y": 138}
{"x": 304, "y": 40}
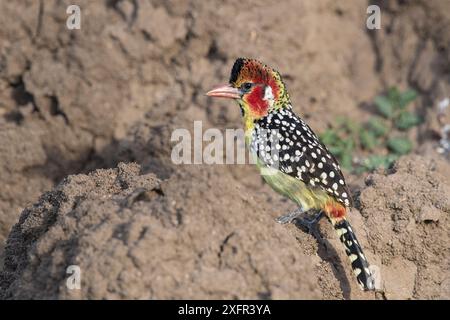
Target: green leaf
{"x": 399, "y": 145}
{"x": 384, "y": 105}
{"x": 393, "y": 95}
{"x": 329, "y": 137}
{"x": 346, "y": 161}
{"x": 337, "y": 151}
{"x": 347, "y": 146}
{"x": 341, "y": 146}
{"x": 360, "y": 169}
{"x": 407, "y": 97}
{"x": 377, "y": 126}
{"x": 390, "y": 159}
{"x": 368, "y": 139}
{"x": 407, "y": 120}
{"x": 352, "y": 127}
{"x": 376, "y": 161}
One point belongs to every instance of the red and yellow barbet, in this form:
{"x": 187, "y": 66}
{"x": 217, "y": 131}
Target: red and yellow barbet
{"x": 289, "y": 155}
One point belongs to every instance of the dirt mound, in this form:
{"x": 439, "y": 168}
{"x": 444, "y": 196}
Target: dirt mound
{"x": 407, "y": 218}
{"x": 136, "y": 237}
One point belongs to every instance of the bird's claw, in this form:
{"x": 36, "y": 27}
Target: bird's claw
{"x": 291, "y": 216}
{"x": 309, "y": 224}
{"x": 298, "y": 217}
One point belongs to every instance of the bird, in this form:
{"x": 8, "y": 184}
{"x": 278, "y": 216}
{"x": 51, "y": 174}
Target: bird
{"x": 291, "y": 158}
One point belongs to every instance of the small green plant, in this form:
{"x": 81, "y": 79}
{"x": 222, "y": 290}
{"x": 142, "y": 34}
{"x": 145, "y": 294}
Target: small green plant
{"x": 385, "y": 132}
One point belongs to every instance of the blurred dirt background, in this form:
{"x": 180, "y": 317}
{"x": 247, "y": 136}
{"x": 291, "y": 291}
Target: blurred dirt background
{"x": 86, "y": 118}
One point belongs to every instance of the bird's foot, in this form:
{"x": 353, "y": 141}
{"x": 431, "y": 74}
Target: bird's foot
{"x": 310, "y": 224}
{"x": 291, "y": 216}
{"x": 299, "y": 215}
{"x": 300, "y": 218}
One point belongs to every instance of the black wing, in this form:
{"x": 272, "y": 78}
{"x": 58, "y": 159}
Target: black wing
{"x": 284, "y": 141}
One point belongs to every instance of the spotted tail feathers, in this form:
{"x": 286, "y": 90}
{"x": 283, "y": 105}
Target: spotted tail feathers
{"x": 357, "y": 258}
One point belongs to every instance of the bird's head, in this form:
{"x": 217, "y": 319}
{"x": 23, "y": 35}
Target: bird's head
{"x": 257, "y": 88}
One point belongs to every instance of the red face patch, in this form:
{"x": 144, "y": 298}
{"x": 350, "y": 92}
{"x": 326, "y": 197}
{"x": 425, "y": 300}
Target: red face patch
{"x": 255, "y": 72}
{"x": 255, "y": 100}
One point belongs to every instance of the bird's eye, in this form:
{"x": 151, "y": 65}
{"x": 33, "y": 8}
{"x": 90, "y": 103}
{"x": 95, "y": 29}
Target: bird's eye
{"x": 246, "y": 86}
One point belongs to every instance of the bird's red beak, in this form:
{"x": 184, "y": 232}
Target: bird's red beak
{"x": 225, "y": 91}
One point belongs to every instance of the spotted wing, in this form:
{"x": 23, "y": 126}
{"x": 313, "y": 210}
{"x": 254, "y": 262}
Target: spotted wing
{"x": 284, "y": 141}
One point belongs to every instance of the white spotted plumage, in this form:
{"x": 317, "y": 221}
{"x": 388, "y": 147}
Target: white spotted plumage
{"x": 296, "y": 146}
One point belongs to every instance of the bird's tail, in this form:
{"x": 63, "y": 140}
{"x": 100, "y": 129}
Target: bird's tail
{"x": 354, "y": 251}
